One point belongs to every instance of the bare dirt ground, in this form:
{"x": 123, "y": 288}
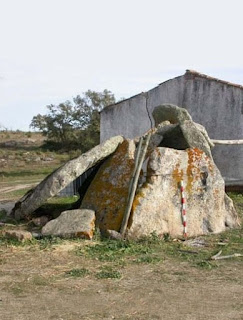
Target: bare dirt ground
{"x": 34, "y": 285}
{"x": 17, "y": 187}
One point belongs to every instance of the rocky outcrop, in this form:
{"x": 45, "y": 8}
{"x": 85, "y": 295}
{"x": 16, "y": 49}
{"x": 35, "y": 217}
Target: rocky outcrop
{"x": 72, "y": 224}
{"x": 157, "y": 206}
{"x": 178, "y": 150}
{"x": 60, "y": 178}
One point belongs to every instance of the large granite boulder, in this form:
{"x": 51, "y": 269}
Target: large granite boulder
{"x": 64, "y": 175}
{"x": 157, "y": 206}
{"x": 72, "y": 224}
{"x": 107, "y": 194}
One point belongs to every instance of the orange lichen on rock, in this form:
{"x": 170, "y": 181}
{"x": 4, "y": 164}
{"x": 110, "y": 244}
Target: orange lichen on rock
{"x": 193, "y": 170}
{"x": 108, "y": 193}
{"x": 89, "y": 233}
{"x": 136, "y": 202}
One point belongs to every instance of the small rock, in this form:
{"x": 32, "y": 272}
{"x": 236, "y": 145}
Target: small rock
{"x": 37, "y": 235}
{"x": 112, "y": 234}
{"x": 40, "y": 221}
{"x": 10, "y": 143}
{"x": 19, "y": 235}
{"x": 195, "y": 243}
{"x": 78, "y": 223}
{"x": 47, "y": 159}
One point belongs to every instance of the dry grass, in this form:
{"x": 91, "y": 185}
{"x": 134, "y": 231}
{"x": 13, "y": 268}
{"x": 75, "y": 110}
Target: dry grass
{"x": 25, "y": 162}
{"x": 56, "y": 283}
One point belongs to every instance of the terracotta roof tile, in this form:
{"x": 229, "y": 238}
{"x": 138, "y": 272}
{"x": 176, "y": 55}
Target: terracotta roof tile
{"x": 194, "y": 74}
{"x": 191, "y": 74}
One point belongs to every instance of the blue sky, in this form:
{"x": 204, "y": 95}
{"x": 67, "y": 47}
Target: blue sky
{"x": 52, "y": 50}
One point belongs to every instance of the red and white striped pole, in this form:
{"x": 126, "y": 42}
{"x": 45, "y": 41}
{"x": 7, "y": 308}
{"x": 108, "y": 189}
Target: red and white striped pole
{"x": 183, "y": 212}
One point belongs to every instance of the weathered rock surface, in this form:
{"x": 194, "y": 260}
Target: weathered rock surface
{"x": 171, "y": 113}
{"x": 157, "y": 205}
{"x": 60, "y": 178}
{"x": 187, "y": 134}
{"x": 194, "y": 137}
{"x": 72, "y": 223}
{"x": 107, "y": 194}
{"x": 40, "y": 221}
{"x": 19, "y": 235}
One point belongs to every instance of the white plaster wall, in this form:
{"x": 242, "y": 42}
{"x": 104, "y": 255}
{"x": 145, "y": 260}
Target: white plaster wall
{"x": 215, "y": 105}
{"x": 128, "y": 118}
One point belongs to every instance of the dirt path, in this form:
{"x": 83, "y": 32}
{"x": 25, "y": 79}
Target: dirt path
{"x": 17, "y": 187}
{"x": 34, "y": 285}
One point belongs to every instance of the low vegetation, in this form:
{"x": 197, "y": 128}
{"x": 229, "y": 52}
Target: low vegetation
{"x": 110, "y": 257}
{"x": 24, "y": 162}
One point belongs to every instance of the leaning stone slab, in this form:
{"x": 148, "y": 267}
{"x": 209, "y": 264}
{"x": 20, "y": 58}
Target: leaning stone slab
{"x": 196, "y": 137}
{"x": 78, "y": 223}
{"x": 60, "y": 178}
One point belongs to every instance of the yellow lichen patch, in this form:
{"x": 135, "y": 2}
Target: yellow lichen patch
{"x": 177, "y": 174}
{"x": 85, "y": 235}
{"x": 108, "y": 192}
{"x": 136, "y": 202}
{"x": 210, "y": 164}
{"x": 193, "y": 171}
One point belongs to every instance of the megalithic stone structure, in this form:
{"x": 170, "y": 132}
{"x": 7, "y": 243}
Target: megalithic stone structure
{"x": 64, "y": 175}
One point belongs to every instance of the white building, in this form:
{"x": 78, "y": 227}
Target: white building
{"x": 214, "y": 103}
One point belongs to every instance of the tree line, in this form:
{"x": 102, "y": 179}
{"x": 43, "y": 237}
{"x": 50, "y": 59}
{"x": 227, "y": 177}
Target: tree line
{"x": 74, "y": 124}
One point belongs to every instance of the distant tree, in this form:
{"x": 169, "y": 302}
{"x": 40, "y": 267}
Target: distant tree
{"x": 74, "y": 124}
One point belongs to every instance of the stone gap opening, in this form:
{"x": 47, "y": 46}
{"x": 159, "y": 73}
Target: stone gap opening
{"x": 174, "y": 139}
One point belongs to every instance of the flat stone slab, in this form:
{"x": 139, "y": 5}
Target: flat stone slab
{"x": 78, "y": 223}
{"x": 61, "y": 177}
{"x": 19, "y": 235}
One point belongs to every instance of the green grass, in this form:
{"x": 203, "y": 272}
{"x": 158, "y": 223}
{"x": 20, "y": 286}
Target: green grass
{"x": 3, "y": 214}
{"x": 39, "y": 171}
{"x": 148, "y": 259}
{"x": 16, "y": 194}
{"x": 120, "y": 250}
{"x": 149, "y": 250}
{"x": 107, "y": 272}
{"x": 78, "y": 273}
{"x": 56, "y": 205}
{"x": 237, "y": 198}
{"x": 41, "y": 244}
